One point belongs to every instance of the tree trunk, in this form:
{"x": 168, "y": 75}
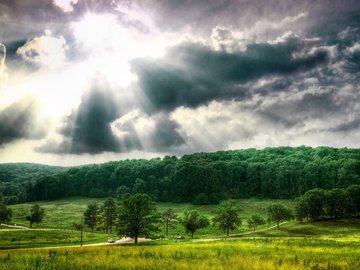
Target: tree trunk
{"x": 136, "y": 239}
{"x": 227, "y": 231}
{"x": 278, "y": 224}
{"x": 166, "y": 228}
{"x": 31, "y": 224}
{"x": 254, "y": 228}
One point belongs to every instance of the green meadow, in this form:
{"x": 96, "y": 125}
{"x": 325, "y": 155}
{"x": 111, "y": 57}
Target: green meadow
{"x": 55, "y": 244}
{"x": 62, "y": 214}
{"x": 246, "y": 253}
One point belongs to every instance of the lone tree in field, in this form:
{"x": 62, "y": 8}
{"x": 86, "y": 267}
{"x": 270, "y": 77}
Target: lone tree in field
{"x": 138, "y": 216}
{"x": 108, "y": 214}
{"x": 193, "y": 221}
{"x": 5, "y": 213}
{"x": 255, "y": 220}
{"x": 227, "y": 215}
{"x": 91, "y": 216}
{"x": 169, "y": 218}
{"x": 278, "y": 212}
{"x": 36, "y": 215}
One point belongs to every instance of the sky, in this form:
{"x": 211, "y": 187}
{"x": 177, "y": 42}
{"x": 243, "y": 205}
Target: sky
{"x": 85, "y": 81}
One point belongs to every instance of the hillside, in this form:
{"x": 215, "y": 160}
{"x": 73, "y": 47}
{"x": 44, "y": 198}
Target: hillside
{"x": 200, "y": 178}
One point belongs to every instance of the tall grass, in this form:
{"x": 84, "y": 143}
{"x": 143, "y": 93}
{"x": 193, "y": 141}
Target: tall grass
{"x": 258, "y": 253}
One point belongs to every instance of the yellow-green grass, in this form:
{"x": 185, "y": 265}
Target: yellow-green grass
{"x": 23, "y": 238}
{"x": 344, "y": 228}
{"x": 249, "y": 253}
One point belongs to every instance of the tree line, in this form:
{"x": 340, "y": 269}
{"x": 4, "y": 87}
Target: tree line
{"x": 137, "y": 214}
{"x": 317, "y": 204}
{"x": 199, "y": 178}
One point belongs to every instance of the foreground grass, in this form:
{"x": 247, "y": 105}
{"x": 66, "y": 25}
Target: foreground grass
{"x": 248, "y": 253}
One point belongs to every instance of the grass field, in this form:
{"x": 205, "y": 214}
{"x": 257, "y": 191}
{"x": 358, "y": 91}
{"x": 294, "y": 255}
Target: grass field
{"x": 59, "y": 214}
{"x": 22, "y": 238}
{"x": 323, "y": 245}
{"x": 247, "y": 253}
{"x": 62, "y": 214}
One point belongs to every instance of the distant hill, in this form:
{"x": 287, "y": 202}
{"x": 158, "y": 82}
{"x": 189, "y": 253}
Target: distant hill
{"x": 19, "y": 172}
{"x": 200, "y": 178}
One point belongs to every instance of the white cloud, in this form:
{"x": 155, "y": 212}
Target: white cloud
{"x": 44, "y": 50}
{"x": 65, "y": 5}
{"x": 225, "y": 39}
{"x": 3, "y": 73}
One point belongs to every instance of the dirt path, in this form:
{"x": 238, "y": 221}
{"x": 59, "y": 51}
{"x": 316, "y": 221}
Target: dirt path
{"x": 237, "y": 235}
{"x": 13, "y": 226}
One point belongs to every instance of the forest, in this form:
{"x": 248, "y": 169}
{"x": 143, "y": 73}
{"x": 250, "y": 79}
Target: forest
{"x": 199, "y": 178}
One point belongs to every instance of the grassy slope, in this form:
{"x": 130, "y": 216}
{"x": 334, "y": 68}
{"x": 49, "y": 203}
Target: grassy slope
{"x": 58, "y": 214}
{"x": 22, "y": 238}
{"x": 62, "y": 213}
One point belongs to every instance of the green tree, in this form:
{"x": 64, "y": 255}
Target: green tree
{"x": 139, "y": 186}
{"x": 122, "y": 192}
{"x": 335, "y": 203}
{"x": 302, "y": 208}
{"x": 5, "y": 213}
{"x": 91, "y": 216}
{"x": 108, "y": 214}
{"x": 315, "y": 200}
{"x": 278, "y": 213}
{"x": 353, "y": 197}
{"x": 193, "y": 221}
{"x": 169, "y": 218}
{"x": 36, "y": 215}
{"x": 255, "y": 220}
{"x": 227, "y": 216}
{"x": 138, "y": 216}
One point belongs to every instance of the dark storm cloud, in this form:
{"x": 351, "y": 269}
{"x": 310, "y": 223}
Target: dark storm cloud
{"x": 165, "y": 135}
{"x": 347, "y": 126}
{"x": 192, "y": 74}
{"x": 18, "y": 121}
{"x": 352, "y": 61}
{"x": 89, "y": 128}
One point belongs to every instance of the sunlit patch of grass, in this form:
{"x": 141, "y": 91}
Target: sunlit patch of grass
{"x": 22, "y": 238}
{"x": 58, "y": 214}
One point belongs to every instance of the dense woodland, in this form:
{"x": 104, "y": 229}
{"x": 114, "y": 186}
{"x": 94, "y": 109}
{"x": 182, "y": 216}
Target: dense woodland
{"x": 200, "y": 178}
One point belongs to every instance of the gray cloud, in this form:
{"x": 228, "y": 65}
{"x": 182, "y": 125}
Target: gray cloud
{"x": 252, "y": 84}
{"x": 203, "y": 15}
{"x": 89, "y": 127}
{"x": 193, "y": 74}
{"x": 166, "y": 134}
{"x": 19, "y": 121}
